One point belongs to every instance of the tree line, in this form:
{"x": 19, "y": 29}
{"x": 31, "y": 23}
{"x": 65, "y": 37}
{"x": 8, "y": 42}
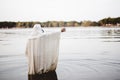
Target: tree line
{"x": 103, "y": 22}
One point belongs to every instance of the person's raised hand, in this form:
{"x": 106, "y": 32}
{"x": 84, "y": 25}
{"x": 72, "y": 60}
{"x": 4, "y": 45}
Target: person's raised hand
{"x": 63, "y": 30}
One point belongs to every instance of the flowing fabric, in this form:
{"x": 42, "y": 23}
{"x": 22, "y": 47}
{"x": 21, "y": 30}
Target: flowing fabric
{"x": 42, "y": 52}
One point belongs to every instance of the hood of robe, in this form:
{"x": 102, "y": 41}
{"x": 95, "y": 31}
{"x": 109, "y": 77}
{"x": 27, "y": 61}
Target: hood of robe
{"x": 37, "y": 30}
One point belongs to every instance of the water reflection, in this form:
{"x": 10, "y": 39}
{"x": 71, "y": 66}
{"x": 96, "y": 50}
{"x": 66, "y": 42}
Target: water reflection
{"x": 111, "y": 32}
{"x": 47, "y": 76}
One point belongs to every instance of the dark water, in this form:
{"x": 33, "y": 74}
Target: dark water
{"x": 46, "y": 76}
{"x": 85, "y": 54}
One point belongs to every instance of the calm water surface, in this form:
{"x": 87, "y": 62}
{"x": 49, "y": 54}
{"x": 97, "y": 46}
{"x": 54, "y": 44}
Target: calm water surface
{"x": 91, "y": 53}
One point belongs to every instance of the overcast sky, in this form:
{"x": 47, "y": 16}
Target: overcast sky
{"x": 67, "y": 10}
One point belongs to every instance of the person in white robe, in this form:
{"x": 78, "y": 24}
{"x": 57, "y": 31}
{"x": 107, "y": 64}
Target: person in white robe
{"x": 42, "y": 51}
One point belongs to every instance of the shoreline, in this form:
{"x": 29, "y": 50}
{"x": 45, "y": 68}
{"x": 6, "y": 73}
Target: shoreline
{"x": 63, "y": 27}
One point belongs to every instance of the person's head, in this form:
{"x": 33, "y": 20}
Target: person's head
{"x": 37, "y": 30}
{"x": 37, "y": 27}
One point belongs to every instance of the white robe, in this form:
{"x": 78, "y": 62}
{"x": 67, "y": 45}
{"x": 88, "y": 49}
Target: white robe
{"x": 42, "y": 52}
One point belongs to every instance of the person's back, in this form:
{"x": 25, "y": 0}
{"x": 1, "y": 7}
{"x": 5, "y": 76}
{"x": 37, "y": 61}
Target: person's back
{"x": 42, "y": 51}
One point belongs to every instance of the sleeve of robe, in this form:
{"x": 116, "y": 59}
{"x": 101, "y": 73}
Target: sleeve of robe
{"x": 42, "y": 53}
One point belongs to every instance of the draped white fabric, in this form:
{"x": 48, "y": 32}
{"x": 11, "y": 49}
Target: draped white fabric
{"x": 42, "y": 52}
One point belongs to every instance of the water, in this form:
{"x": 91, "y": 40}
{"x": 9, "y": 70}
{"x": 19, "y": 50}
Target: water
{"x": 90, "y": 53}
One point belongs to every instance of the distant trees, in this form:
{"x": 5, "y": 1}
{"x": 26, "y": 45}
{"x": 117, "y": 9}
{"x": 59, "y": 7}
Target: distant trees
{"x": 89, "y": 23}
{"x": 7, "y": 24}
{"x": 60, "y": 24}
{"x": 112, "y": 21}
{"x": 103, "y": 22}
{"x": 86, "y": 23}
{"x": 25, "y": 24}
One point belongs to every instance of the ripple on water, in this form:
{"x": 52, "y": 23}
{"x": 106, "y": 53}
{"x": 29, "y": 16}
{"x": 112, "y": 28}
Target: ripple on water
{"x": 78, "y": 68}
{"x": 88, "y": 69}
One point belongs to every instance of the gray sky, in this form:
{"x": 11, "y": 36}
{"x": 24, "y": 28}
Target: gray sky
{"x": 67, "y": 10}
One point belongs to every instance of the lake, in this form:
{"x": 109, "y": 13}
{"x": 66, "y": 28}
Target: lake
{"x": 86, "y": 53}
